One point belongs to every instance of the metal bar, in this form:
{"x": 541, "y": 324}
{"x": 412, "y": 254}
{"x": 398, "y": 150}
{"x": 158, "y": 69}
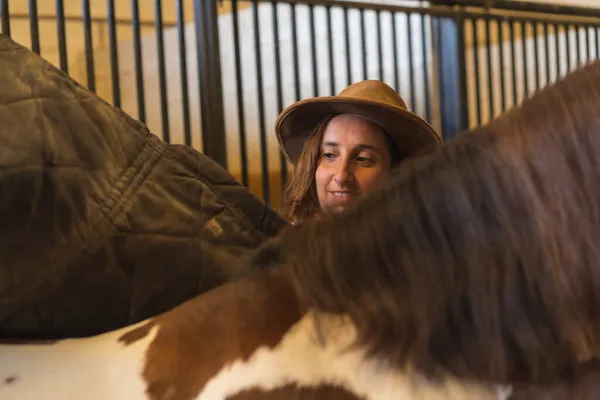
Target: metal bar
{"x": 363, "y": 41}
{"x": 89, "y": 45}
{"x": 347, "y": 47}
{"x": 503, "y": 103}
{"x": 137, "y": 51}
{"x": 5, "y": 14}
{"x": 34, "y": 27}
{"x": 296, "y": 55}
{"x": 525, "y": 59}
{"x": 313, "y": 51}
{"x": 588, "y": 53}
{"x": 379, "y": 46}
{"x": 424, "y": 53}
{"x": 513, "y": 61}
{"x": 330, "y": 53}
{"x": 61, "y": 35}
{"x": 240, "y": 92}
{"x": 411, "y": 70}
{"x": 547, "y": 52}
{"x": 395, "y": 52}
{"x": 77, "y": 18}
{"x": 114, "y": 54}
{"x": 557, "y": 50}
{"x": 450, "y": 60}
{"x": 162, "y": 73}
{"x": 261, "y": 105}
{"x": 568, "y": 41}
{"x": 578, "y": 45}
{"x": 475, "y": 37}
{"x": 488, "y": 42}
{"x": 597, "y": 37}
{"x": 278, "y": 84}
{"x": 440, "y": 58}
{"x": 185, "y": 97}
{"x": 210, "y": 81}
{"x": 536, "y": 55}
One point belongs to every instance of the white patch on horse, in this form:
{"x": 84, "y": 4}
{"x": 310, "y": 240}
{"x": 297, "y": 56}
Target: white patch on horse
{"x": 96, "y": 368}
{"x": 302, "y": 359}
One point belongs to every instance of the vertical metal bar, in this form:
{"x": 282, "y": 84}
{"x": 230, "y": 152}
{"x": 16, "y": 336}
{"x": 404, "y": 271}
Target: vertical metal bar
{"x": 588, "y": 52}
{"x": 475, "y": 38}
{"x": 500, "y": 25}
{"x": 313, "y": 50}
{"x": 524, "y": 55}
{"x": 395, "y": 52}
{"x": 5, "y": 17}
{"x": 568, "y": 46}
{"x": 278, "y": 85}
{"x": 557, "y": 49}
{"x": 411, "y": 69}
{"x": 379, "y": 46}
{"x": 114, "y": 54}
{"x": 61, "y": 35}
{"x": 597, "y": 39}
{"x": 137, "y": 50}
{"x": 424, "y": 53}
{"x": 89, "y": 46}
{"x": 363, "y": 38}
{"x": 185, "y": 97}
{"x": 450, "y": 60}
{"x": 34, "y": 27}
{"x": 488, "y": 42}
{"x": 261, "y": 105}
{"x": 513, "y": 61}
{"x": 347, "y": 43}
{"x": 440, "y": 59}
{"x": 547, "y": 52}
{"x": 578, "y": 45}
{"x": 162, "y": 74}
{"x": 240, "y": 92}
{"x": 536, "y": 55}
{"x": 296, "y": 55}
{"x": 330, "y": 53}
{"x": 214, "y": 143}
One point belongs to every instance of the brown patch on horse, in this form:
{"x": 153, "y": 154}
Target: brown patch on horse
{"x": 585, "y": 385}
{"x": 196, "y": 340}
{"x": 136, "y": 334}
{"x": 292, "y": 391}
{"x": 9, "y": 380}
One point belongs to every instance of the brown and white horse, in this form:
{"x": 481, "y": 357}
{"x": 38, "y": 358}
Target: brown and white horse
{"x": 474, "y": 274}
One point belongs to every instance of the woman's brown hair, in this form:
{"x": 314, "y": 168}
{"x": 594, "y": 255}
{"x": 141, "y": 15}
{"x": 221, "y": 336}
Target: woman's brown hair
{"x": 300, "y": 197}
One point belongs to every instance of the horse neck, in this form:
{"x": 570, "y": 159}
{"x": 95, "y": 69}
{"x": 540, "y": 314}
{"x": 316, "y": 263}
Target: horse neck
{"x": 100, "y": 367}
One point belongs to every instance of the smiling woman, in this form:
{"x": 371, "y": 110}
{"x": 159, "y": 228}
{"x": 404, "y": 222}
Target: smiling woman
{"x": 343, "y": 146}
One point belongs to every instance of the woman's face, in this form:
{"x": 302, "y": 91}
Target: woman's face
{"x": 354, "y": 158}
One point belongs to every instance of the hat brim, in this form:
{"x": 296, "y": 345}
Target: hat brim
{"x": 297, "y": 122}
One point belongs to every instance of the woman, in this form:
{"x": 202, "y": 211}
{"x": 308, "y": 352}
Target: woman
{"x": 342, "y": 146}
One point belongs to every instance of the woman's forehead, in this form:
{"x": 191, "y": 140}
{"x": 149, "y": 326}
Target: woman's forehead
{"x": 349, "y": 130}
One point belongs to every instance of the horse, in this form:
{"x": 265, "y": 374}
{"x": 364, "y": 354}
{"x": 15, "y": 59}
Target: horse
{"x": 472, "y": 274}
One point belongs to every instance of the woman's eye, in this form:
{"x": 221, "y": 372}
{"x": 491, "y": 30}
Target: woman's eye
{"x": 328, "y": 156}
{"x": 364, "y": 160}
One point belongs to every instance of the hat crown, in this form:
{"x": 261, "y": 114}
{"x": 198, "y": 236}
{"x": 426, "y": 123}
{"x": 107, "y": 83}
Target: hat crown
{"x": 373, "y": 90}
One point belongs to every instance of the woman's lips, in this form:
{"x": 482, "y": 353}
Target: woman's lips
{"x": 341, "y": 196}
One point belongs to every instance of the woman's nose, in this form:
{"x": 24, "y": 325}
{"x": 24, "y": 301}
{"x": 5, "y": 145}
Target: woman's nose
{"x": 344, "y": 173}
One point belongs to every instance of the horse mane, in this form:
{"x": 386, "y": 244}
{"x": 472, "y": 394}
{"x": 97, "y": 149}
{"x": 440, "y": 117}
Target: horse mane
{"x": 480, "y": 258}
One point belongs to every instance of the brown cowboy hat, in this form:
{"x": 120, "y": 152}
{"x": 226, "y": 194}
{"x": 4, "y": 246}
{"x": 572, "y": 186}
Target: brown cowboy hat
{"x": 370, "y": 99}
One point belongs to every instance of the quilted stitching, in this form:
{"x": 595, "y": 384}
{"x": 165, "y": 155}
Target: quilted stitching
{"x": 102, "y": 223}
